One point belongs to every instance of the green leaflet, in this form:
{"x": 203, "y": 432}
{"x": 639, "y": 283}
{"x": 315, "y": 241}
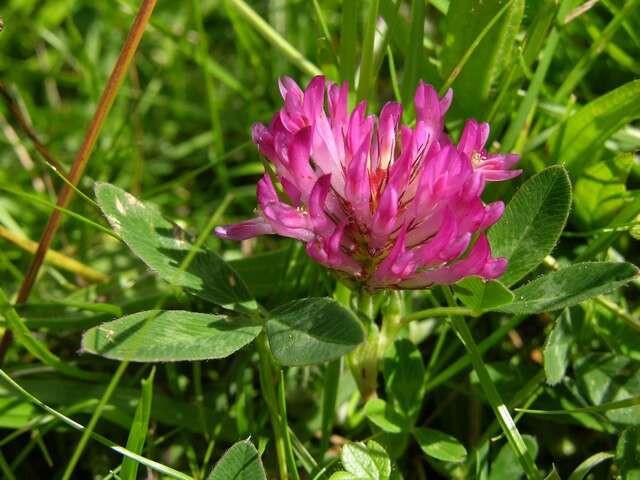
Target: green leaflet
{"x": 163, "y": 247}
{"x": 169, "y": 336}
{"x": 532, "y": 222}
{"x": 312, "y": 330}
{"x": 240, "y": 462}
{"x": 569, "y": 286}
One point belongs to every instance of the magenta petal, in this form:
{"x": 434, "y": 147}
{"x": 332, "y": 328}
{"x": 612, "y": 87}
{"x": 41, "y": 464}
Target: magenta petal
{"x": 338, "y": 102}
{"x": 492, "y": 214}
{"x": 494, "y": 268}
{"x": 317, "y": 200}
{"x": 286, "y": 85}
{"x": 299, "y": 152}
{"x": 291, "y": 190}
{"x": 244, "y": 230}
{"x": 398, "y": 265}
{"x": 384, "y": 220}
{"x": 432, "y": 250}
{"x": 387, "y": 133}
{"x": 313, "y": 101}
{"x": 469, "y": 138}
{"x": 445, "y": 102}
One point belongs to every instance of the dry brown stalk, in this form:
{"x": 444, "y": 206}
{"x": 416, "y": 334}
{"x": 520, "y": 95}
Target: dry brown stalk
{"x": 80, "y": 162}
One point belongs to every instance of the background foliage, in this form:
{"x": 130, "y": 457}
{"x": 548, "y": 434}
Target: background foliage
{"x": 557, "y": 81}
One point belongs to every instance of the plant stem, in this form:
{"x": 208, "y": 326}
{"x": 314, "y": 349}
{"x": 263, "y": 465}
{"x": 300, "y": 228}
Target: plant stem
{"x": 106, "y": 396}
{"x": 438, "y": 312}
{"x": 329, "y": 396}
{"x": 282, "y": 407}
{"x": 493, "y": 396}
{"x": 463, "y": 362}
{"x": 267, "y": 384}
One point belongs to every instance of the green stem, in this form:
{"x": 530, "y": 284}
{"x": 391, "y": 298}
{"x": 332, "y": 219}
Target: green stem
{"x": 493, "y": 396}
{"x": 282, "y": 407}
{"x": 438, "y": 312}
{"x": 268, "y": 387}
{"x": 197, "y": 389}
{"x": 329, "y": 397}
{"x": 463, "y": 362}
{"x": 363, "y": 361}
{"x": 435, "y": 355}
{"x": 106, "y": 396}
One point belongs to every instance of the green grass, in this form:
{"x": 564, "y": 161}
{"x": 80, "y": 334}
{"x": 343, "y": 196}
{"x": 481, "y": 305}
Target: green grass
{"x": 558, "y": 84}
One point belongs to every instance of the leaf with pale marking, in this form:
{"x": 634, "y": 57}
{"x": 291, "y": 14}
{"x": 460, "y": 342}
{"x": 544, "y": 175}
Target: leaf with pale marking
{"x": 169, "y": 336}
{"x": 163, "y": 246}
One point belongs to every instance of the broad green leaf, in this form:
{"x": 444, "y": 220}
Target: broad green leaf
{"x": 139, "y": 429}
{"x": 506, "y": 464}
{"x": 532, "y": 222}
{"x": 586, "y": 131}
{"x": 599, "y": 192}
{"x": 464, "y": 23}
{"x": 440, "y": 445}
{"x": 569, "y": 286}
{"x": 557, "y": 346}
{"x": 404, "y": 374}
{"x": 628, "y": 454}
{"x": 312, "y": 330}
{"x": 384, "y": 416}
{"x": 366, "y": 462}
{"x": 169, "y": 336}
{"x": 606, "y": 377}
{"x": 163, "y": 247}
{"x": 480, "y": 295}
{"x": 240, "y": 462}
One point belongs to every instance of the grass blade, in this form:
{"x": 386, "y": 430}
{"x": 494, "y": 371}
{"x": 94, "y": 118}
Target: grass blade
{"x": 139, "y": 428}
{"x": 366, "y": 78}
{"x": 499, "y": 408}
{"x": 158, "y": 467}
{"x": 582, "y": 67}
{"x": 275, "y": 39}
{"x": 415, "y": 52}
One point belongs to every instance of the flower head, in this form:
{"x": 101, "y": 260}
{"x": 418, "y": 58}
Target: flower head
{"x": 390, "y": 205}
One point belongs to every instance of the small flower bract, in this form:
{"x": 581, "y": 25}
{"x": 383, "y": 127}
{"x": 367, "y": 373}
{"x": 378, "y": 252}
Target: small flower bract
{"x": 390, "y": 205}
